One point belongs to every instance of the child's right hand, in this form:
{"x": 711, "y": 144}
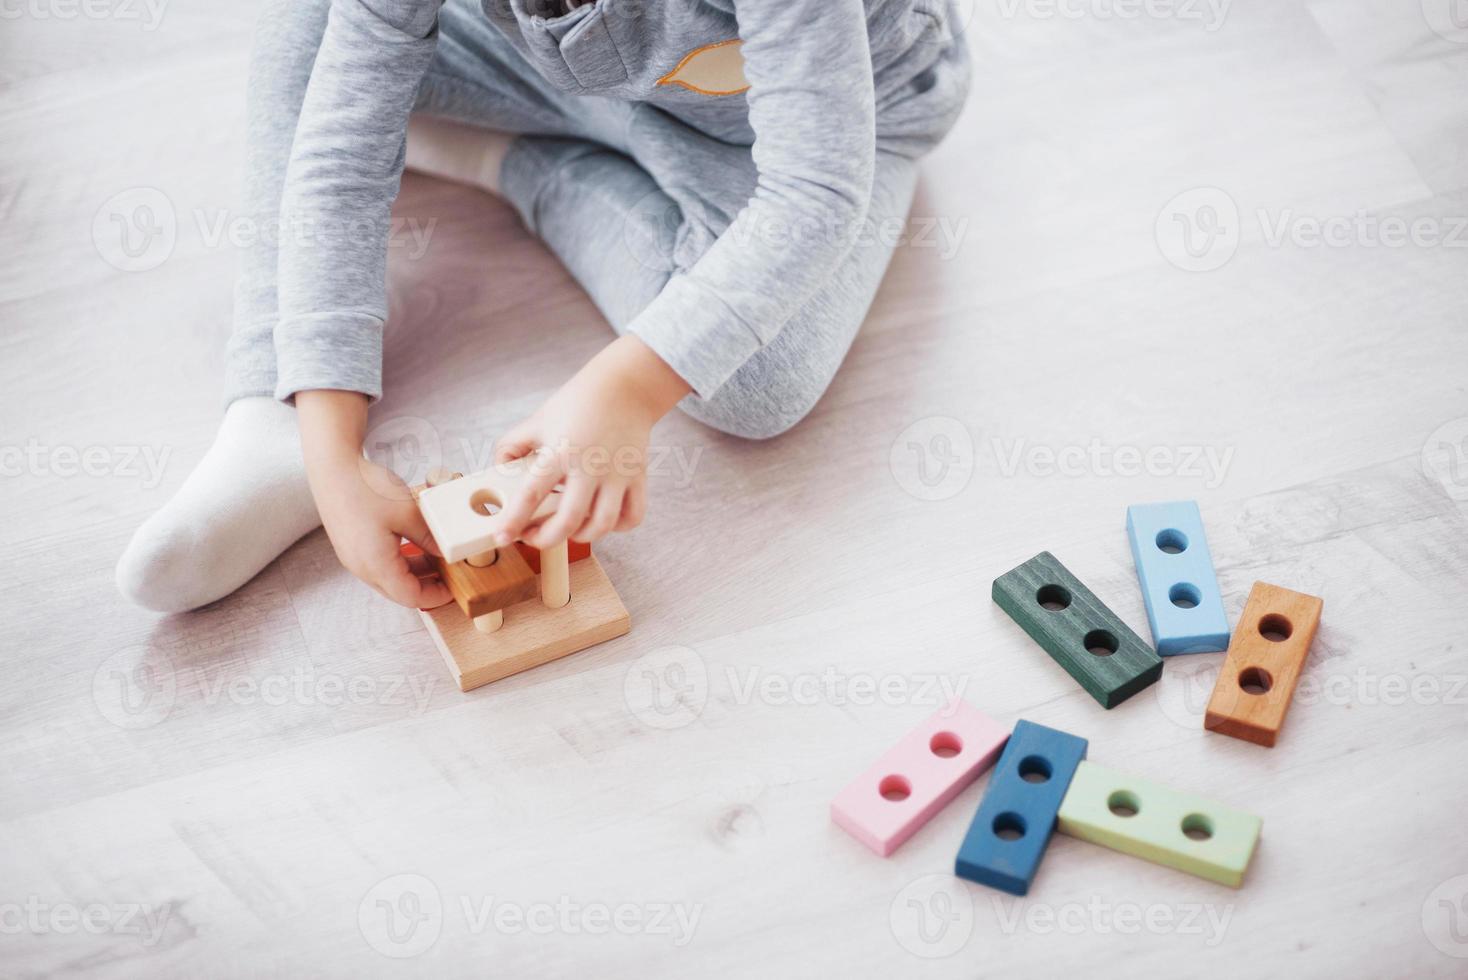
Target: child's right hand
{"x": 365, "y": 508}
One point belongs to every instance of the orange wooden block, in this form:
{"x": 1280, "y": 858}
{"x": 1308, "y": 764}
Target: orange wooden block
{"x": 575, "y": 551}
{"x": 483, "y": 590}
{"x": 1265, "y": 658}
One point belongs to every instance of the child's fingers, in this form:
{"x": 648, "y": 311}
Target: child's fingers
{"x": 397, "y": 581}
{"x": 634, "y": 506}
{"x": 605, "y": 513}
{"x": 515, "y": 444}
{"x": 570, "y": 512}
{"x": 520, "y": 510}
{"x": 415, "y": 529}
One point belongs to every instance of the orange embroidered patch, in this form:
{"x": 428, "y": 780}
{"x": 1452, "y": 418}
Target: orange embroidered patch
{"x": 714, "y": 69}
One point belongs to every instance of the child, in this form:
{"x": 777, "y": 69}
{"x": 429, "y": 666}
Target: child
{"x": 778, "y": 134}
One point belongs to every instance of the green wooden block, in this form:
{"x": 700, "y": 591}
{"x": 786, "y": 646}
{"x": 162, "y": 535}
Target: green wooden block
{"x": 1158, "y": 824}
{"x": 1094, "y": 646}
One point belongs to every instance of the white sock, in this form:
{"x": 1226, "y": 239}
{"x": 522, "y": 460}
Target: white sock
{"x": 245, "y": 503}
{"x": 452, "y": 151}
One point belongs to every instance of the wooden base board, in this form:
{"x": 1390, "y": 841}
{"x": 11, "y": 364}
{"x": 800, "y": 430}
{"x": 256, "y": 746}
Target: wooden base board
{"x": 532, "y": 634}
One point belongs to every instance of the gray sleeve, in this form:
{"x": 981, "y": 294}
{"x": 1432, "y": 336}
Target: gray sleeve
{"x": 345, "y": 165}
{"x": 813, "y": 112}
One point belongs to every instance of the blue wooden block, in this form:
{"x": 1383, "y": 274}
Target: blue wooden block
{"x": 1012, "y": 827}
{"x": 1184, "y": 607}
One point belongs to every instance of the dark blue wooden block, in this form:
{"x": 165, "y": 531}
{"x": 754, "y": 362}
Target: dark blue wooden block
{"x": 1012, "y": 828}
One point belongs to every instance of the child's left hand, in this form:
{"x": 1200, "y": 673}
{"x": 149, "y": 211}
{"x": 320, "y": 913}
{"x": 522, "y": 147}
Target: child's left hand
{"x": 592, "y": 437}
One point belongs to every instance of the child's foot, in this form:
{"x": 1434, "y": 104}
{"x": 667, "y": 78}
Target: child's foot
{"x": 244, "y": 504}
{"x": 462, "y": 154}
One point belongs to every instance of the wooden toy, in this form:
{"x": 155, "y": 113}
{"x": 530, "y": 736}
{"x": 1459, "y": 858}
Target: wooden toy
{"x": 1257, "y": 680}
{"x": 1159, "y": 824}
{"x": 508, "y": 616}
{"x": 1184, "y": 607}
{"x": 1016, "y": 817}
{"x": 1093, "y": 645}
{"x": 918, "y": 776}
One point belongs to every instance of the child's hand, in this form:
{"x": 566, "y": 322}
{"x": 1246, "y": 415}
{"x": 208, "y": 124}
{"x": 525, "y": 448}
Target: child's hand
{"x": 592, "y": 437}
{"x": 366, "y": 508}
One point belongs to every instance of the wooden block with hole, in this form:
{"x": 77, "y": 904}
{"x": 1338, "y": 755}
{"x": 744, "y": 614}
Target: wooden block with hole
{"x": 1256, "y": 683}
{"x": 462, "y": 512}
{"x": 918, "y": 776}
{"x": 1179, "y": 586}
{"x": 1159, "y": 824}
{"x": 1067, "y": 620}
{"x": 1011, "y": 830}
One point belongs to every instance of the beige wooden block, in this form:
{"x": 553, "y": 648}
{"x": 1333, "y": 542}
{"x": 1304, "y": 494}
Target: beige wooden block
{"x": 531, "y": 634}
{"x": 458, "y": 512}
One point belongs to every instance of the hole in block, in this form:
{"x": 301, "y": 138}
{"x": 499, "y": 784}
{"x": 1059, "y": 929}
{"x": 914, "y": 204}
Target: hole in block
{"x": 1185, "y": 596}
{"x": 485, "y": 501}
{"x": 1034, "y": 769}
{"x": 1197, "y": 827}
{"x": 1009, "y": 826}
{"x": 894, "y": 788}
{"x": 1053, "y": 597}
{"x": 1124, "y": 803}
{"x": 1100, "y": 643}
{"x": 945, "y": 745}
{"x": 1172, "y": 541}
{"x": 1255, "y": 680}
{"x": 1275, "y": 628}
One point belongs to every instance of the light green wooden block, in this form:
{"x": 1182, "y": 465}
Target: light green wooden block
{"x": 1158, "y": 830}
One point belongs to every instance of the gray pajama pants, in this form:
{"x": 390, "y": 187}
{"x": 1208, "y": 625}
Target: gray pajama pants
{"x": 625, "y": 196}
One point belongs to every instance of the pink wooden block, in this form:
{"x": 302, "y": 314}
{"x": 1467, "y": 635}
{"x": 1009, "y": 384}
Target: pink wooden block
{"x": 918, "y": 776}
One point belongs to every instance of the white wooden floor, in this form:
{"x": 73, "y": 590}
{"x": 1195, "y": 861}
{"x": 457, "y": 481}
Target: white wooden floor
{"x": 286, "y": 782}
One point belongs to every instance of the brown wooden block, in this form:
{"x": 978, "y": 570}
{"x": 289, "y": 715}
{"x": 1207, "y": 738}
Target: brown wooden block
{"x": 1265, "y": 658}
{"x": 532, "y": 634}
{"x": 575, "y": 551}
{"x": 483, "y": 590}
